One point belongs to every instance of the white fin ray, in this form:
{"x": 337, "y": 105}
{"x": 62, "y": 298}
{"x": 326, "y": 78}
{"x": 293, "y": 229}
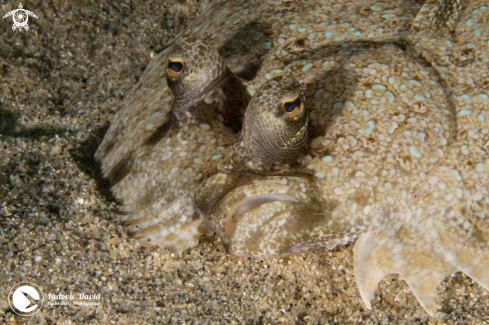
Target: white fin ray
{"x": 410, "y": 249}
{"x": 468, "y": 243}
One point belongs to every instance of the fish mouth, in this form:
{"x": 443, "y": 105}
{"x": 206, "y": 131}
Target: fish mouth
{"x": 255, "y": 194}
{"x": 248, "y": 204}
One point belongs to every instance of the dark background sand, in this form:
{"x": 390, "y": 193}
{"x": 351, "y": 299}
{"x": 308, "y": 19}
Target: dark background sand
{"x": 60, "y": 85}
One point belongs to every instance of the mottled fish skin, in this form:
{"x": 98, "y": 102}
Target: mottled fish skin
{"x": 261, "y": 39}
{"x": 155, "y": 163}
{"x": 368, "y": 150}
{"x": 448, "y": 226}
{"x": 397, "y": 150}
{"x": 264, "y": 40}
{"x": 399, "y": 155}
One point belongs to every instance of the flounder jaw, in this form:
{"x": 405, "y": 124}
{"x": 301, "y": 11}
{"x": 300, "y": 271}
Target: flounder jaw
{"x": 275, "y": 125}
{"x": 247, "y": 194}
{"x": 278, "y": 216}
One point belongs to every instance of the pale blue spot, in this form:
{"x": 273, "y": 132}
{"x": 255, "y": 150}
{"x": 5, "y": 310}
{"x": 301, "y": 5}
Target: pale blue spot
{"x": 465, "y": 96}
{"x": 349, "y": 103}
{"x": 391, "y": 96}
{"x": 328, "y": 158}
{"x": 481, "y": 117}
{"x": 475, "y": 11}
{"x": 302, "y": 30}
{"x": 480, "y": 167}
{"x": 326, "y": 94}
{"x": 469, "y": 22}
{"x": 340, "y": 38}
{"x": 483, "y": 96}
{"x": 346, "y": 24}
{"x": 378, "y": 87}
{"x": 152, "y": 91}
{"x": 215, "y": 157}
{"x": 371, "y": 126}
{"x": 335, "y": 117}
{"x": 245, "y": 12}
{"x": 220, "y": 148}
{"x": 268, "y": 45}
{"x": 428, "y": 94}
{"x": 419, "y": 97}
{"x": 414, "y": 152}
{"x": 422, "y": 135}
{"x": 236, "y": 21}
{"x": 465, "y": 112}
{"x": 357, "y": 33}
{"x": 227, "y": 22}
{"x": 307, "y": 67}
{"x": 257, "y": 36}
{"x": 328, "y": 34}
{"x": 319, "y": 175}
{"x": 311, "y": 36}
{"x": 310, "y": 167}
{"x": 373, "y": 7}
{"x": 268, "y": 76}
{"x": 483, "y": 7}
{"x": 155, "y": 114}
{"x": 149, "y": 126}
{"x": 449, "y": 43}
{"x": 477, "y": 32}
{"x": 457, "y": 174}
{"x": 337, "y": 105}
{"x": 196, "y": 28}
{"x": 387, "y": 16}
{"x": 415, "y": 82}
{"x": 292, "y": 26}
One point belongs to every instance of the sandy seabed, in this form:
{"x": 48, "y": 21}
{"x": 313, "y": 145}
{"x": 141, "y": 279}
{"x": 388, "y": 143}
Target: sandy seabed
{"x": 61, "y": 83}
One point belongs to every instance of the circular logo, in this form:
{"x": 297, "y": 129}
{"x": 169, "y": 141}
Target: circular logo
{"x": 25, "y": 299}
{"x": 20, "y": 17}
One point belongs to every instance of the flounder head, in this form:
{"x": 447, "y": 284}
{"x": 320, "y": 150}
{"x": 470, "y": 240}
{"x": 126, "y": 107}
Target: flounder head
{"x": 275, "y": 124}
{"x": 193, "y": 68}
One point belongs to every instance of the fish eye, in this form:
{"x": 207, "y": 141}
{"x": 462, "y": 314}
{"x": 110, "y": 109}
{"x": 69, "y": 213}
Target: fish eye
{"x": 174, "y": 68}
{"x": 293, "y": 107}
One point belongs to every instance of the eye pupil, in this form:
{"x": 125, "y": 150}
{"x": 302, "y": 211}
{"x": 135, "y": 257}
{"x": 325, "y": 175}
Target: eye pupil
{"x": 176, "y": 67}
{"x": 289, "y": 107}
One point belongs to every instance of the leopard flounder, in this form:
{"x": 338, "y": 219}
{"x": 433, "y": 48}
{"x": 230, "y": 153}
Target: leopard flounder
{"x": 154, "y": 172}
{"x": 398, "y": 157}
{"x": 397, "y": 153}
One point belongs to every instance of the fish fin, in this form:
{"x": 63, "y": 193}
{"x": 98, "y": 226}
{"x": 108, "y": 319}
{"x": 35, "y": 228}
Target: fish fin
{"x": 410, "y": 249}
{"x": 465, "y": 234}
{"x": 143, "y": 112}
{"x": 178, "y": 237}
